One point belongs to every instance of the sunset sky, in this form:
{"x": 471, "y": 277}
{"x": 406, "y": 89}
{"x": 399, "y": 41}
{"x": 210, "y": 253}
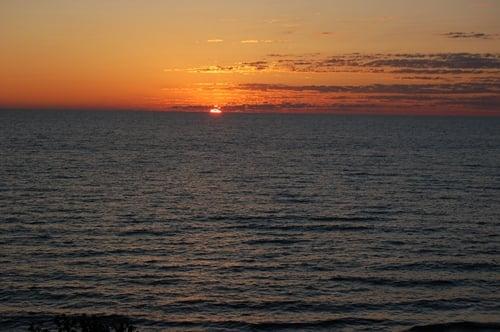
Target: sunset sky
{"x": 381, "y": 56}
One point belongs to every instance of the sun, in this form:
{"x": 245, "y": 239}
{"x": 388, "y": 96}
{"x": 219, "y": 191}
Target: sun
{"x": 215, "y": 110}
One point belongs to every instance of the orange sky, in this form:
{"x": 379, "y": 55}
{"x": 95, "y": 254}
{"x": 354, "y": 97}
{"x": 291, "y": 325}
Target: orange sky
{"x": 428, "y": 56}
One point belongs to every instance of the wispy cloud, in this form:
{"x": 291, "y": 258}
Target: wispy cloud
{"x": 469, "y": 35}
{"x": 406, "y": 89}
{"x": 216, "y": 40}
{"x": 258, "y": 41}
{"x": 427, "y": 98}
{"x": 416, "y": 63}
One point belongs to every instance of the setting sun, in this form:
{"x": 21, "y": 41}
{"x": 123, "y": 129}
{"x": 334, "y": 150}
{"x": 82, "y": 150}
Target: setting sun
{"x": 215, "y": 110}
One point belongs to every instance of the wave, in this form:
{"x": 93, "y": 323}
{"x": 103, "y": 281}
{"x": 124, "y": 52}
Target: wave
{"x": 304, "y": 228}
{"x": 49, "y": 321}
{"x": 457, "y": 327}
{"x": 405, "y": 283}
{"x": 46, "y": 320}
{"x": 326, "y": 324}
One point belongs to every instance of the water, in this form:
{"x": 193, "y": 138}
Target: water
{"x": 256, "y": 222}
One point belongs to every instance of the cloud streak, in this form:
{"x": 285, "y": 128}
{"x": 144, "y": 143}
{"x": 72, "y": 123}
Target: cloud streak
{"x": 469, "y": 99}
{"x": 257, "y": 41}
{"x": 407, "y": 89}
{"x": 417, "y": 63}
{"x": 469, "y": 35}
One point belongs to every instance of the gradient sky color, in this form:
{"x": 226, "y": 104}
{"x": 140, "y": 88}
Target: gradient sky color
{"x": 383, "y": 56}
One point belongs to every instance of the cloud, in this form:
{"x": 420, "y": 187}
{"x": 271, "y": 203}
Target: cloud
{"x": 215, "y": 40}
{"x": 416, "y": 63}
{"x": 433, "y": 61}
{"x": 426, "y": 98}
{"x": 407, "y": 89}
{"x": 453, "y": 98}
{"x": 257, "y": 41}
{"x": 424, "y": 78}
{"x": 445, "y": 82}
{"x": 436, "y": 71}
{"x": 278, "y": 55}
{"x": 469, "y": 35}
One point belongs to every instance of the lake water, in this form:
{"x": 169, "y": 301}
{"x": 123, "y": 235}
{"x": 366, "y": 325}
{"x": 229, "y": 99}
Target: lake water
{"x": 249, "y": 222}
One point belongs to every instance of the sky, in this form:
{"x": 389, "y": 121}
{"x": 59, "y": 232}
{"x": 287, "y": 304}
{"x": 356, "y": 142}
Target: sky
{"x": 338, "y": 56}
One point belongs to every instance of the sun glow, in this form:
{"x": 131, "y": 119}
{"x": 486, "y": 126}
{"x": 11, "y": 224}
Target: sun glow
{"x": 215, "y": 110}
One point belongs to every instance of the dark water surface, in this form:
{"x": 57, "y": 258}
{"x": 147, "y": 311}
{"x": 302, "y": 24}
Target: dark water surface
{"x": 257, "y": 222}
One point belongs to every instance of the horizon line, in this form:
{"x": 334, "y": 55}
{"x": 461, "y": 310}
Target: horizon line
{"x": 206, "y": 110}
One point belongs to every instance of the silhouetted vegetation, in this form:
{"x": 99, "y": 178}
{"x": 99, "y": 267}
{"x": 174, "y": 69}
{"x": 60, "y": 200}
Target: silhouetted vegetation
{"x": 85, "y": 323}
